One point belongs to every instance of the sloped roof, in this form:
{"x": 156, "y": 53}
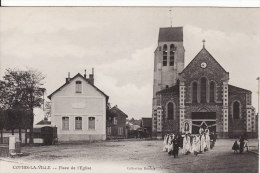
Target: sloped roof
{"x": 171, "y": 34}
{"x": 232, "y": 87}
{"x": 146, "y": 122}
{"x": 117, "y": 111}
{"x": 174, "y": 88}
{"x": 203, "y": 52}
{"x": 44, "y": 122}
{"x": 78, "y": 75}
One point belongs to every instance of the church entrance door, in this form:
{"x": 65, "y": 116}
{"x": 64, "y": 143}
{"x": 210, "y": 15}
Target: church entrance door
{"x": 203, "y": 119}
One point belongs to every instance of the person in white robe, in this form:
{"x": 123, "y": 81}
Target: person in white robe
{"x": 198, "y": 143}
{"x": 202, "y": 143}
{"x": 186, "y": 144}
{"x": 207, "y": 139}
{"x": 170, "y": 144}
{"x": 165, "y": 142}
{"x": 195, "y": 145}
{"x": 201, "y": 130}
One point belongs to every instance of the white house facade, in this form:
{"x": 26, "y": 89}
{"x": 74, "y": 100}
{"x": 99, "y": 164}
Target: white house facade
{"x": 78, "y": 110}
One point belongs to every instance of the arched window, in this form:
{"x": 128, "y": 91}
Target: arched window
{"x": 203, "y": 83}
{"x": 165, "y": 55}
{"x": 172, "y": 51}
{"x": 170, "y": 111}
{"x": 236, "y": 110}
{"x": 212, "y": 92}
{"x": 194, "y": 92}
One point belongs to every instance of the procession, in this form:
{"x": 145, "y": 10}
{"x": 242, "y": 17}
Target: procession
{"x": 188, "y": 143}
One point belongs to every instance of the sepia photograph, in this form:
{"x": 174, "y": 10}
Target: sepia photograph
{"x": 129, "y": 89}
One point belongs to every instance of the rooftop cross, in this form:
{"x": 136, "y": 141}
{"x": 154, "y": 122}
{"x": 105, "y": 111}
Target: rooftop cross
{"x": 170, "y": 16}
{"x": 203, "y": 43}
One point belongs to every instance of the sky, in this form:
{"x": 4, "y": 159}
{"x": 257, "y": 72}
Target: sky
{"x": 119, "y": 43}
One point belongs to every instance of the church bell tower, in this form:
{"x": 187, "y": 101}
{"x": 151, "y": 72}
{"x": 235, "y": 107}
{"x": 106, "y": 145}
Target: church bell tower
{"x": 168, "y": 63}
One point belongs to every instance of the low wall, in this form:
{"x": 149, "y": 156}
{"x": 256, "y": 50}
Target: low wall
{"x": 4, "y": 150}
{"x": 80, "y": 137}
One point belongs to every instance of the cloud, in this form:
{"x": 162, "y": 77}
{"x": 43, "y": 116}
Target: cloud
{"x": 128, "y": 82}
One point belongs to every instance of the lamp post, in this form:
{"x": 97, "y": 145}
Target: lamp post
{"x": 258, "y": 78}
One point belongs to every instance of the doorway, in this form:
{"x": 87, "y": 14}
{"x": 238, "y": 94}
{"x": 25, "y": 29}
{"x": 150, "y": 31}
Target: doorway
{"x": 203, "y": 119}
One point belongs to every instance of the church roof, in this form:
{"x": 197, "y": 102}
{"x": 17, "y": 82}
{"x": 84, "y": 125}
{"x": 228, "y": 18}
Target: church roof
{"x": 204, "y": 52}
{"x": 232, "y": 87}
{"x": 171, "y": 34}
{"x": 174, "y": 88}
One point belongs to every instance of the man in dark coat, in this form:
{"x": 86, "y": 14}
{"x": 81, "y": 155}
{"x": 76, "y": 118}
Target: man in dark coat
{"x": 175, "y": 146}
{"x": 242, "y": 143}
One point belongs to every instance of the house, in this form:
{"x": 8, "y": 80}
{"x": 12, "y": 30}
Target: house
{"x": 116, "y": 123}
{"x": 79, "y": 110}
{"x": 146, "y": 126}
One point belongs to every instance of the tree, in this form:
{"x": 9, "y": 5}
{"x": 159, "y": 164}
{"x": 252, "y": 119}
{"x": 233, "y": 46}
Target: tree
{"x": 24, "y": 88}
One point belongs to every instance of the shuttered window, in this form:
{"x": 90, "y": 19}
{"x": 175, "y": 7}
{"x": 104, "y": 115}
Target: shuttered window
{"x": 65, "y": 123}
{"x": 78, "y": 87}
{"x": 78, "y": 123}
{"x": 109, "y": 131}
{"x": 120, "y": 131}
{"x": 91, "y": 123}
{"x": 115, "y": 120}
{"x": 172, "y": 52}
{"x": 165, "y": 55}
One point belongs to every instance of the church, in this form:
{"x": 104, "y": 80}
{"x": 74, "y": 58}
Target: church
{"x": 198, "y": 95}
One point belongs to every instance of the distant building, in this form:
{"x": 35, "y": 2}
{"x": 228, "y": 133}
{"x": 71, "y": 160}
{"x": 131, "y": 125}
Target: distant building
{"x": 198, "y": 95}
{"x": 146, "y": 126}
{"x": 42, "y": 123}
{"x": 78, "y": 110}
{"x": 116, "y": 123}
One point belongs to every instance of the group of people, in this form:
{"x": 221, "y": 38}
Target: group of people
{"x": 240, "y": 144}
{"x": 189, "y": 143}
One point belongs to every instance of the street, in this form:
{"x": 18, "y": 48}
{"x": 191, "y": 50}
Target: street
{"x": 133, "y": 156}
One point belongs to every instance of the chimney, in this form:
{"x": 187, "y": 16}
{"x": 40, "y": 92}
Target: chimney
{"x": 91, "y": 77}
{"x": 85, "y": 75}
{"x": 68, "y": 78}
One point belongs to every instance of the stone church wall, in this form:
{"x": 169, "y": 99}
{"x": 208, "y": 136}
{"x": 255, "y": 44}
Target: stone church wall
{"x": 237, "y": 126}
{"x": 170, "y": 126}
